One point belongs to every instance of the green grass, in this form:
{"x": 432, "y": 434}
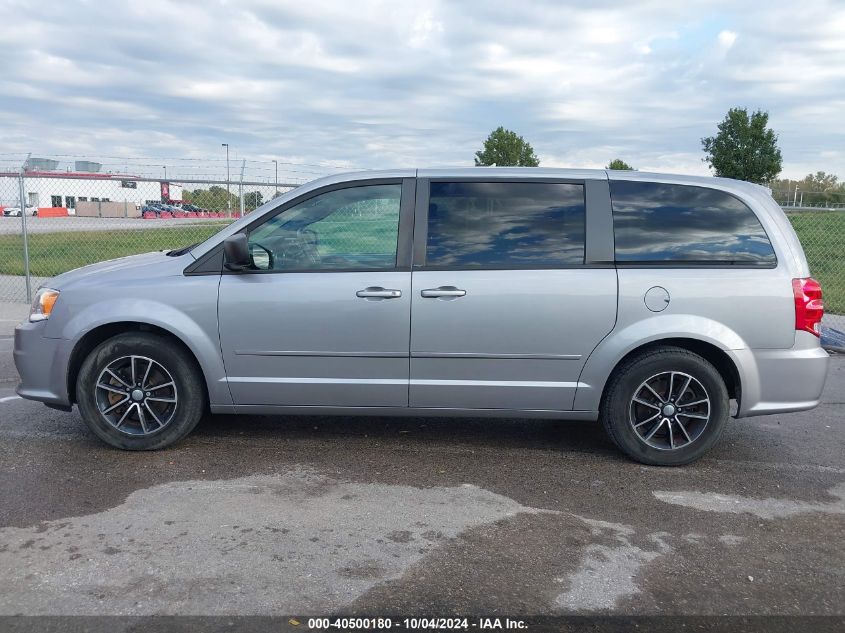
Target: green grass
{"x": 823, "y": 237}
{"x": 54, "y": 253}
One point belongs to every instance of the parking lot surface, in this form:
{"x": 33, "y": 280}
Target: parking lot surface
{"x": 309, "y": 516}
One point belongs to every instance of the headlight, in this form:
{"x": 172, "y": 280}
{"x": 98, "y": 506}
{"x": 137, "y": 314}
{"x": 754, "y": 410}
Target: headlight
{"x": 43, "y": 304}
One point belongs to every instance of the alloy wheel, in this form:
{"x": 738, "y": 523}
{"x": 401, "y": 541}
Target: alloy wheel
{"x": 669, "y": 410}
{"x": 136, "y": 395}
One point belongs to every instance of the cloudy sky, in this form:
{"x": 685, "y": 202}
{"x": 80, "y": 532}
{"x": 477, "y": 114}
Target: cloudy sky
{"x": 368, "y": 83}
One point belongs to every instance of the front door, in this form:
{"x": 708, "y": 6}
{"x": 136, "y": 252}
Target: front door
{"x": 506, "y": 309}
{"x": 323, "y": 316}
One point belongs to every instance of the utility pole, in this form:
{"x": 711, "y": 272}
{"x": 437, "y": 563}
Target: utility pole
{"x": 241, "y": 187}
{"x": 228, "y": 195}
{"x": 795, "y": 196}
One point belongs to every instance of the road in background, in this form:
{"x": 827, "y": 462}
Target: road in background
{"x": 12, "y": 226}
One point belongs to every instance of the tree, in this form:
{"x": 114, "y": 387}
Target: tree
{"x": 212, "y": 198}
{"x": 744, "y": 148}
{"x": 618, "y": 163}
{"x": 506, "y": 149}
{"x": 820, "y": 188}
{"x": 253, "y": 199}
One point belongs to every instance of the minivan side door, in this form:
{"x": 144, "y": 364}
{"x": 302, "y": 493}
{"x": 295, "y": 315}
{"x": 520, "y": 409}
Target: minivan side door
{"x": 322, "y": 317}
{"x": 513, "y": 287}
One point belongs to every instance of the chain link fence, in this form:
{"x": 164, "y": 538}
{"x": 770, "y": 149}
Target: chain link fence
{"x": 822, "y": 234}
{"x": 52, "y": 222}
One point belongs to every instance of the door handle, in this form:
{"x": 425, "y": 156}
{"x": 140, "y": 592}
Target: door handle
{"x": 443, "y": 291}
{"x": 377, "y": 292}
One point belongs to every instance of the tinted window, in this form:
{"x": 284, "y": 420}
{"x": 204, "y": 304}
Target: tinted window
{"x": 656, "y": 222}
{"x": 354, "y": 228}
{"x": 505, "y": 225}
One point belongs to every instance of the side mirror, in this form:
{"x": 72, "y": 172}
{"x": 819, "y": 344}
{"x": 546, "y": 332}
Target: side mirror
{"x": 236, "y": 253}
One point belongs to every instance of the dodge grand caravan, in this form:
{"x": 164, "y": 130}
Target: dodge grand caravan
{"x": 646, "y": 302}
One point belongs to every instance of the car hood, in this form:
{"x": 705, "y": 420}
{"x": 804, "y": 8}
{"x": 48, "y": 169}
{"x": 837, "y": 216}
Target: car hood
{"x": 150, "y": 263}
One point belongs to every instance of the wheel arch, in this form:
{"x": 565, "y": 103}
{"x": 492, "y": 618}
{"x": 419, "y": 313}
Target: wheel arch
{"x": 708, "y": 351}
{"x": 714, "y": 345}
{"x": 94, "y": 337}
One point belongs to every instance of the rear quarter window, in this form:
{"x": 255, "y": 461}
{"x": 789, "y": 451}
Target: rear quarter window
{"x": 665, "y": 223}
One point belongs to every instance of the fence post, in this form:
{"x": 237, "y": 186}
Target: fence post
{"x": 125, "y": 209}
{"x": 25, "y": 236}
{"x": 241, "y": 187}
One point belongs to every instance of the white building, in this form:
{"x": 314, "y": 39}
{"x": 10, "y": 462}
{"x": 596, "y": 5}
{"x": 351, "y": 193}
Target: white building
{"x": 53, "y": 188}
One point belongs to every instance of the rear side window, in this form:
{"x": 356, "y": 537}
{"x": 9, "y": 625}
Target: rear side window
{"x": 658, "y": 223}
{"x": 505, "y": 225}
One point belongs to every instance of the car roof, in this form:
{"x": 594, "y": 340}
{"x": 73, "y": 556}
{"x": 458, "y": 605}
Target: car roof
{"x": 542, "y": 173}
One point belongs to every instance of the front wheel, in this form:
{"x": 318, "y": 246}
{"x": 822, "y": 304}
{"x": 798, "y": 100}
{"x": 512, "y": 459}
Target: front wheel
{"x": 138, "y": 391}
{"x": 665, "y": 407}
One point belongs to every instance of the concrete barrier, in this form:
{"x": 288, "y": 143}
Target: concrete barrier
{"x": 52, "y": 212}
{"x": 89, "y": 209}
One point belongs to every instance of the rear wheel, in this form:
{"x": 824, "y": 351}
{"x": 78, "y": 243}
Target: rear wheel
{"x": 138, "y": 391}
{"x": 665, "y": 407}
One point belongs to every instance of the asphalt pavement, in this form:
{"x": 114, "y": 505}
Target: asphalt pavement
{"x": 307, "y": 516}
{"x": 12, "y": 226}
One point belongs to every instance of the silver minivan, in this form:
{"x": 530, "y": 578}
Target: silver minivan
{"x": 646, "y": 301}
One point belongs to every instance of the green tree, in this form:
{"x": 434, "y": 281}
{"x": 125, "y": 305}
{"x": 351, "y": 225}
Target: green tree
{"x": 213, "y": 198}
{"x": 253, "y": 199}
{"x": 814, "y": 189}
{"x": 506, "y": 149}
{"x": 744, "y": 147}
{"x": 618, "y": 163}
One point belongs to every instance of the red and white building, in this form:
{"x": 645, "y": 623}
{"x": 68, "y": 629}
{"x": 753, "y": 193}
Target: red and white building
{"x": 53, "y": 188}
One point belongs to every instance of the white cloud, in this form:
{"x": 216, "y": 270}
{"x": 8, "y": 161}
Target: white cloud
{"x": 379, "y": 83}
{"x": 727, "y": 39}
{"x": 424, "y": 30}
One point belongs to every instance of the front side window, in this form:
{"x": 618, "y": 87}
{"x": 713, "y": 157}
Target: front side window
{"x": 346, "y": 229}
{"x": 505, "y": 225}
{"x": 658, "y": 223}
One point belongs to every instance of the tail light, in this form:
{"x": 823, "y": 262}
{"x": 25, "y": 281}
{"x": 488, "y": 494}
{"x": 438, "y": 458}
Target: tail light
{"x": 809, "y": 306}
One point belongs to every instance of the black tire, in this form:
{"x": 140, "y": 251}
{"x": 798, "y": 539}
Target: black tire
{"x": 616, "y": 407}
{"x": 186, "y": 376}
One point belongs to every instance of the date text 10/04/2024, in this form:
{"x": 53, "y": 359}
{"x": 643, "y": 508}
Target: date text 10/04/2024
{"x": 377, "y": 623}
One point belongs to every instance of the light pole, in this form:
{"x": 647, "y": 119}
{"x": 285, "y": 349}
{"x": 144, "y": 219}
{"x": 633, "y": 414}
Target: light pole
{"x": 795, "y": 196}
{"x": 164, "y": 167}
{"x": 228, "y": 195}
{"x": 276, "y": 180}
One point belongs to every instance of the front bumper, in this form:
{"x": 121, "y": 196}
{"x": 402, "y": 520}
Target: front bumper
{"x": 42, "y": 364}
{"x": 781, "y": 380}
